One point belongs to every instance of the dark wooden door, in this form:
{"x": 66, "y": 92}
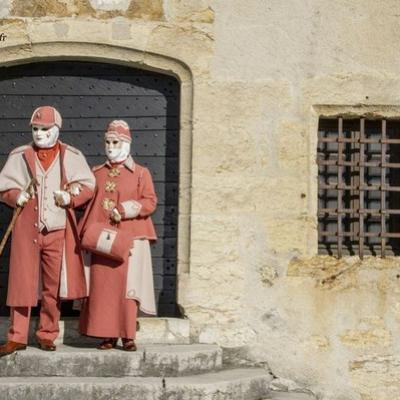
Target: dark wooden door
{"x": 88, "y": 96}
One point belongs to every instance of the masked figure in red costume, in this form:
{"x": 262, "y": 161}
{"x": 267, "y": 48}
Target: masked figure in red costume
{"x": 45, "y": 260}
{"x": 124, "y": 196}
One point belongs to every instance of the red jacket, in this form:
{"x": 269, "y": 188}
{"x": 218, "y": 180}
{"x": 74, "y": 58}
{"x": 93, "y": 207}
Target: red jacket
{"x": 132, "y": 182}
{"x": 23, "y": 281}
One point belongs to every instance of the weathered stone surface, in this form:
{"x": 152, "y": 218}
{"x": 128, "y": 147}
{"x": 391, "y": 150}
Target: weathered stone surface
{"x": 152, "y": 330}
{"x": 16, "y": 32}
{"x": 178, "y": 360}
{"x": 256, "y": 76}
{"x": 81, "y": 388}
{"x": 39, "y": 8}
{"x": 61, "y": 30}
{"x": 147, "y": 9}
{"x": 199, "y": 11}
{"x": 244, "y": 384}
{"x": 109, "y": 5}
{"x": 121, "y": 29}
{"x": 369, "y": 373}
{"x": 4, "y": 8}
{"x": 290, "y": 396}
{"x": 165, "y": 360}
{"x": 286, "y": 389}
{"x": 241, "y": 384}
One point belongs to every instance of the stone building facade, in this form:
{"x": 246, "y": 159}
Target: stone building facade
{"x": 255, "y": 78}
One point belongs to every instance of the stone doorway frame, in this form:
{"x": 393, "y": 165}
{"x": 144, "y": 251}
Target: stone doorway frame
{"x": 75, "y": 51}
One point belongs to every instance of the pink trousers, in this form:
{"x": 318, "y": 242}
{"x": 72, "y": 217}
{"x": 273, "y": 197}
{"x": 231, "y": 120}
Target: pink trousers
{"x": 51, "y": 245}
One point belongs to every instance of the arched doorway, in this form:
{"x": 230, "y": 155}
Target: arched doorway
{"x": 88, "y": 96}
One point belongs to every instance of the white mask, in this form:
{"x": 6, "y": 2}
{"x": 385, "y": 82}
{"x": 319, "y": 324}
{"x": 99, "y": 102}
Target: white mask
{"x": 117, "y": 150}
{"x": 45, "y": 137}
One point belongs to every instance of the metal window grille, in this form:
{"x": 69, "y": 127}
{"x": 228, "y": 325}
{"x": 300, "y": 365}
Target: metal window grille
{"x": 359, "y": 186}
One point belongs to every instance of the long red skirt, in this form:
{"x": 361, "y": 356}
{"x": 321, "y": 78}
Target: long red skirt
{"x": 107, "y": 312}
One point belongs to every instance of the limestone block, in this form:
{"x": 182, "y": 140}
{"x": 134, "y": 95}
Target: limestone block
{"x": 245, "y": 127}
{"x": 39, "y": 8}
{"x": 189, "y": 11}
{"x": 74, "y": 29}
{"x": 108, "y": 5}
{"x": 231, "y": 334}
{"x": 366, "y": 88}
{"x": 284, "y": 385}
{"x": 371, "y": 47}
{"x": 209, "y": 229}
{"x": 181, "y": 360}
{"x": 148, "y": 360}
{"x": 290, "y": 396}
{"x": 293, "y": 149}
{"x": 283, "y": 49}
{"x": 236, "y": 384}
{"x": 372, "y": 332}
{"x": 229, "y": 193}
{"x": 288, "y": 235}
{"x": 61, "y": 30}
{"x": 4, "y": 8}
{"x": 191, "y": 45}
{"x": 146, "y": 9}
{"x": 121, "y": 29}
{"x": 222, "y": 285}
{"x": 376, "y": 376}
{"x": 101, "y": 9}
{"x": 240, "y": 152}
{"x": 17, "y": 33}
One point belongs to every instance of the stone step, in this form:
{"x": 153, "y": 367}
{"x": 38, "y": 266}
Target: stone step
{"x": 289, "y": 396}
{"x": 239, "y": 384}
{"x": 149, "y": 360}
{"x": 152, "y": 330}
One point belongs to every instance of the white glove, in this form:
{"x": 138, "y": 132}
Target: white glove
{"x": 62, "y": 198}
{"x": 23, "y": 198}
{"x": 74, "y": 188}
{"x": 115, "y": 215}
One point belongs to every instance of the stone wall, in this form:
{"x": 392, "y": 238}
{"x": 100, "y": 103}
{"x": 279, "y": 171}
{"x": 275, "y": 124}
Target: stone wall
{"x": 258, "y": 75}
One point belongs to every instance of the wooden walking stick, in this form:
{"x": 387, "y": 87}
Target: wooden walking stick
{"x": 30, "y": 189}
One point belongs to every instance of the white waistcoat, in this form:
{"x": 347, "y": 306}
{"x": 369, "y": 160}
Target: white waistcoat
{"x": 50, "y": 216}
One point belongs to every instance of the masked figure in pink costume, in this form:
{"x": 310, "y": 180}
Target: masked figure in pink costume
{"x": 124, "y": 196}
{"x": 45, "y": 261}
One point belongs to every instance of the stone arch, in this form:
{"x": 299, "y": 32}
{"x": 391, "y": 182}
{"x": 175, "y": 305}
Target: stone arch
{"x": 37, "y": 52}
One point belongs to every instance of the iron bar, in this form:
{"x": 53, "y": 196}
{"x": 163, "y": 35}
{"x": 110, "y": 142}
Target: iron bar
{"x": 335, "y": 186}
{"x": 366, "y": 234}
{"x": 372, "y": 211}
{"x": 383, "y": 192}
{"x": 361, "y": 191}
{"x": 349, "y": 140}
{"x": 359, "y": 164}
{"x": 339, "y": 191}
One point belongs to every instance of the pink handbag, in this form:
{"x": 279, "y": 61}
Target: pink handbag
{"x": 107, "y": 241}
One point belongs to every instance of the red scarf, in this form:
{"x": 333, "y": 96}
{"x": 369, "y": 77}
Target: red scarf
{"x": 47, "y": 156}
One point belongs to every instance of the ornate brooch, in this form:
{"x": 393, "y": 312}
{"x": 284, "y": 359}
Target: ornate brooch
{"x": 110, "y": 186}
{"x": 114, "y": 172}
{"x": 108, "y": 204}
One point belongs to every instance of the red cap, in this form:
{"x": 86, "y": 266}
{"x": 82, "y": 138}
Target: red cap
{"x": 119, "y": 128}
{"x": 46, "y": 116}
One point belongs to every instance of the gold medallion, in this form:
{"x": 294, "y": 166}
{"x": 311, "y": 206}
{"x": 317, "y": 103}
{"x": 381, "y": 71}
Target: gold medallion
{"x": 110, "y": 186}
{"x": 108, "y": 204}
{"x": 114, "y": 172}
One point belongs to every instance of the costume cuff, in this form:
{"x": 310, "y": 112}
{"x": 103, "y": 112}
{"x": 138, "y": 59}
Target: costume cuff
{"x": 85, "y": 195}
{"x": 10, "y": 197}
{"x": 129, "y": 209}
